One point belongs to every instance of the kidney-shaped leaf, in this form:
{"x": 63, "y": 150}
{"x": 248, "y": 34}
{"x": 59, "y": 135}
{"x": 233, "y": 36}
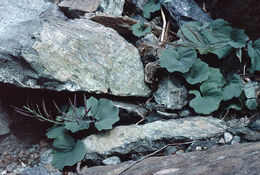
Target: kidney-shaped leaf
{"x": 139, "y": 29}
{"x": 104, "y": 111}
{"x": 250, "y": 89}
{"x": 198, "y": 73}
{"x": 55, "y": 132}
{"x": 178, "y": 60}
{"x": 150, "y": 7}
{"x": 238, "y": 38}
{"x": 208, "y": 100}
{"x": 74, "y": 122}
{"x": 254, "y": 54}
{"x": 234, "y": 88}
{"x": 62, "y": 158}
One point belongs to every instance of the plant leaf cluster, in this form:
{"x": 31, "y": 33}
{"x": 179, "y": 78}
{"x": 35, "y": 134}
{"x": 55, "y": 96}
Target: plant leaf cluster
{"x": 213, "y": 84}
{"x": 101, "y": 114}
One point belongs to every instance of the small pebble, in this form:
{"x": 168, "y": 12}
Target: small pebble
{"x": 235, "y": 140}
{"x": 112, "y": 160}
{"x": 221, "y": 141}
{"x": 228, "y": 137}
{"x": 180, "y": 152}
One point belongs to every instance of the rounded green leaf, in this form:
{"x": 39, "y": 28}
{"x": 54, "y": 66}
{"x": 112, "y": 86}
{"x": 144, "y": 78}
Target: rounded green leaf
{"x": 208, "y": 100}
{"x": 150, "y": 7}
{"x": 251, "y": 104}
{"x": 74, "y": 123}
{"x": 238, "y": 38}
{"x": 55, "y": 132}
{"x": 215, "y": 77}
{"x": 234, "y": 88}
{"x": 250, "y": 89}
{"x": 107, "y": 115}
{"x": 139, "y": 29}
{"x": 63, "y": 142}
{"x": 254, "y": 54}
{"x": 178, "y": 60}
{"x": 198, "y": 73}
{"x": 68, "y": 158}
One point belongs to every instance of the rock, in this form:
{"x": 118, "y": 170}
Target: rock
{"x": 221, "y": 141}
{"x": 19, "y": 20}
{"x": 10, "y": 143}
{"x": 252, "y": 136}
{"x": 152, "y": 136}
{"x": 75, "y": 8}
{"x": 112, "y": 160}
{"x": 201, "y": 145}
{"x": 11, "y": 167}
{"x": 236, "y": 140}
{"x": 185, "y": 112}
{"x": 147, "y": 46}
{"x": 183, "y": 11}
{"x": 255, "y": 124}
{"x": 228, "y": 137}
{"x": 113, "y": 7}
{"x": 93, "y": 60}
{"x": 130, "y": 111}
{"x": 73, "y": 55}
{"x": 84, "y": 6}
{"x": 171, "y": 94}
{"x": 4, "y": 120}
{"x": 39, "y": 170}
{"x": 241, "y": 159}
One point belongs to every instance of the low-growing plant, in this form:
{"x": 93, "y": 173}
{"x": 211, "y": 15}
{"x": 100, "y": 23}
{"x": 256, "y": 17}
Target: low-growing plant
{"x": 102, "y": 114}
{"x": 213, "y": 85}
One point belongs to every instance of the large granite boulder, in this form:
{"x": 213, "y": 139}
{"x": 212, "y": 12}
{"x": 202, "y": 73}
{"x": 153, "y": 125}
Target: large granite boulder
{"x": 49, "y": 51}
{"x": 152, "y": 136}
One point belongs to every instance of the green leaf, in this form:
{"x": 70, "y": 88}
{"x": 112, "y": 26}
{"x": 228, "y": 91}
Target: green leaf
{"x": 139, "y": 29}
{"x": 215, "y": 37}
{"x": 254, "y": 54}
{"x": 251, "y": 104}
{"x": 238, "y": 38}
{"x": 104, "y": 111}
{"x": 198, "y": 73}
{"x": 55, "y": 132}
{"x": 250, "y": 89}
{"x": 215, "y": 77}
{"x": 150, "y": 7}
{"x": 77, "y": 123}
{"x": 208, "y": 100}
{"x": 234, "y": 88}
{"x": 63, "y": 142}
{"x": 178, "y": 61}
{"x": 69, "y": 157}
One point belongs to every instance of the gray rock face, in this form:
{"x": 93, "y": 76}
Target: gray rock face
{"x": 241, "y": 159}
{"x": 113, "y": 7}
{"x": 66, "y": 55}
{"x": 171, "y": 94}
{"x": 18, "y": 21}
{"x": 79, "y": 7}
{"x": 112, "y": 160}
{"x": 186, "y": 10}
{"x": 84, "y": 55}
{"x": 151, "y": 136}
